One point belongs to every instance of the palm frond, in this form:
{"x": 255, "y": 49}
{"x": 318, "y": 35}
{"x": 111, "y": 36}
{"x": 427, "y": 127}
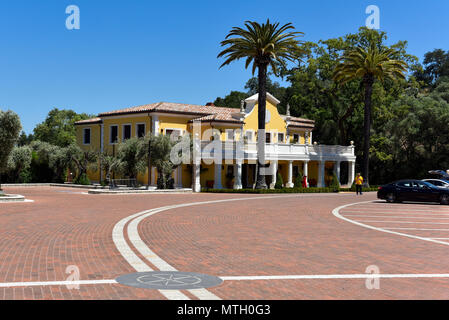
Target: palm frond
{"x": 264, "y": 43}
{"x": 378, "y": 63}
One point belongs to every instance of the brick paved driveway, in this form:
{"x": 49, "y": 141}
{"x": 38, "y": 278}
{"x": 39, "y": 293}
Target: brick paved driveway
{"x": 295, "y": 235}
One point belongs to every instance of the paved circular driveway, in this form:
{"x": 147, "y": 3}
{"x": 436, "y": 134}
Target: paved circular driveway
{"x": 262, "y": 246}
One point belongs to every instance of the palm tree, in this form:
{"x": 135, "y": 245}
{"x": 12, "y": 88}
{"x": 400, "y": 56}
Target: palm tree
{"x": 369, "y": 64}
{"x": 263, "y": 45}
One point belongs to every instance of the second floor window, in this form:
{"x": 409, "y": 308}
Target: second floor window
{"x": 230, "y": 135}
{"x": 249, "y": 136}
{"x": 280, "y": 138}
{"x": 113, "y": 137}
{"x": 86, "y": 136}
{"x": 126, "y": 131}
{"x": 295, "y": 138}
{"x": 141, "y": 130}
{"x": 268, "y": 137}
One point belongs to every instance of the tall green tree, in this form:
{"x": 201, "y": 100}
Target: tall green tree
{"x": 262, "y": 45}
{"x": 49, "y": 162}
{"x": 9, "y": 133}
{"x": 58, "y": 128}
{"x": 436, "y": 66}
{"x": 232, "y": 100}
{"x": 25, "y": 139}
{"x": 369, "y": 63}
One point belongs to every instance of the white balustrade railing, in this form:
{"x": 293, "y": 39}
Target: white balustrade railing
{"x": 278, "y": 151}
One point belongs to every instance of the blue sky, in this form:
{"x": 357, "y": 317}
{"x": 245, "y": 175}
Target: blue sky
{"x": 136, "y": 52}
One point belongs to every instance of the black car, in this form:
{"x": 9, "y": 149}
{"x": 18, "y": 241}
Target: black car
{"x": 413, "y": 190}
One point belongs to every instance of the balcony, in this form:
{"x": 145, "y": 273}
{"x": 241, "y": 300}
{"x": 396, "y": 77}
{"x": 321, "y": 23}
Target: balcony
{"x": 277, "y": 151}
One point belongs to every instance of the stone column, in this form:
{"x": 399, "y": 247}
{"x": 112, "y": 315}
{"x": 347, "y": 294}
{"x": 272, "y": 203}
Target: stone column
{"x": 321, "y": 173}
{"x": 196, "y": 185}
{"x": 290, "y": 175}
{"x": 179, "y": 176}
{"x": 155, "y": 130}
{"x": 351, "y": 174}
{"x": 306, "y": 171}
{"x": 238, "y": 175}
{"x": 337, "y": 170}
{"x": 217, "y": 179}
{"x": 274, "y": 174}
{"x": 101, "y": 150}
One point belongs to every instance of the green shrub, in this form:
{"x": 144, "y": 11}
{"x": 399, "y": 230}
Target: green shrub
{"x": 279, "y": 181}
{"x": 335, "y": 184}
{"x": 284, "y": 190}
{"x": 270, "y": 191}
{"x": 25, "y": 176}
{"x": 83, "y": 180}
{"x": 298, "y": 181}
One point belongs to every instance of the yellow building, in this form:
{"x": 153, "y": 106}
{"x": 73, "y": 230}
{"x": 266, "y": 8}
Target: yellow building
{"x": 289, "y": 145}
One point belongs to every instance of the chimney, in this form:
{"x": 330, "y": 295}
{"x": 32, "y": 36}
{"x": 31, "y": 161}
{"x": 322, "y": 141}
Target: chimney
{"x": 210, "y": 104}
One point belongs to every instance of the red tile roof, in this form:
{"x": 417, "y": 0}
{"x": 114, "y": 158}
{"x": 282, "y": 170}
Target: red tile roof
{"x": 205, "y": 113}
{"x": 90, "y": 121}
{"x": 301, "y": 123}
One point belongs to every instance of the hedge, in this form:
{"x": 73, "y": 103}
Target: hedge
{"x": 285, "y": 190}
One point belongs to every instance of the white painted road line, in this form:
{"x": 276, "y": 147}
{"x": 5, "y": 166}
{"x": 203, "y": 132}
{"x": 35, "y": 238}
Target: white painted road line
{"x": 396, "y": 217}
{"x": 333, "y": 276}
{"x": 55, "y": 283}
{"x": 417, "y": 229}
{"x": 200, "y": 292}
{"x": 336, "y": 213}
{"x": 436, "y": 213}
{"x": 125, "y": 250}
{"x": 412, "y": 222}
{"x": 159, "y": 263}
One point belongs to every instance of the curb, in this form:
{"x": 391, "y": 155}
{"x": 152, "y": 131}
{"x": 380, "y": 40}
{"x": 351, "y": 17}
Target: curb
{"x": 111, "y": 192}
{"x": 11, "y": 198}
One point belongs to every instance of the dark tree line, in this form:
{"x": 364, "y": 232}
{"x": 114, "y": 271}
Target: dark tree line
{"x": 409, "y": 132}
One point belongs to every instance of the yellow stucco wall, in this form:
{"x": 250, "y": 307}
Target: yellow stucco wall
{"x": 275, "y": 125}
{"x": 172, "y": 122}
{"x": 169, "y": 121}
{"x": 120, "y": 121}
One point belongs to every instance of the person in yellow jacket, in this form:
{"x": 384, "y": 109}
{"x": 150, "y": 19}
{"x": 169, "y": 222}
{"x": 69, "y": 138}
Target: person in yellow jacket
{"x": 358, "y": 184}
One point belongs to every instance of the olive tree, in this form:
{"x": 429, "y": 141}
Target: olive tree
{"x": 81, "y": 161}
{"x": 162, "y": 157}
{"x": 129, "y": 161}
{"x": 108, "y": 163}
{"x": 19, "y": 162}
{"x": 10, "y": 128}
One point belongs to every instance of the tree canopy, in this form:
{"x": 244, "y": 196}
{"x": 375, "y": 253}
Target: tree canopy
{"x": 58, "y": 128}
{"x": 9, "y": 133}
{"x": 406, "y": 114}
